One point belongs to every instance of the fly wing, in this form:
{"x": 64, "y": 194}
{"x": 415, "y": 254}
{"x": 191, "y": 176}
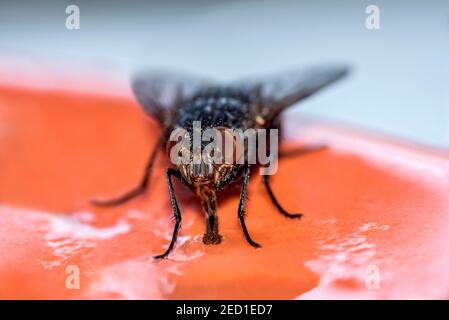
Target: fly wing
{"x": 278, "y": 92}
{"x": 160, "y": 93}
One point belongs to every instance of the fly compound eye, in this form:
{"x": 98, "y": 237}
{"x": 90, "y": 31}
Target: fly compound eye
{"x": 217, "y": 153}
{"x": 232, "y": 146}
{"x": 178, "y": 149}
{"x": 178, "y": 154}
{"x": 212, "y": 153}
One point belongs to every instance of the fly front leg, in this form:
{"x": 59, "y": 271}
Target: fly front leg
{"x": 137, "y": 190}
{"x": 241, "y": 210}
{"x": 177, "y": 214}
{"x": 276, "y": 202}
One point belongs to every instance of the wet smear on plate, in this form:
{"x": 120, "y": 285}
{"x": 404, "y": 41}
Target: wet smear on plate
{"x": 342, "y": 261}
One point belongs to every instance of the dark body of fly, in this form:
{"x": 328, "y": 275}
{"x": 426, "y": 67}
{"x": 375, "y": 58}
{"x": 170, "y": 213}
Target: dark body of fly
{"x": 216, "y": 107}
{"x": 178, "y": 100}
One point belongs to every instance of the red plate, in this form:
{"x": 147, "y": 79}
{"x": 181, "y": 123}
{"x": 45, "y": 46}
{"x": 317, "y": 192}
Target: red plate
{"x": 375, "y": 226}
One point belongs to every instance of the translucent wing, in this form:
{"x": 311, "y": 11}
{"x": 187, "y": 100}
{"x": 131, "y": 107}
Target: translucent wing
{"x": 160, "y": 93}
{"x": 278, "y": 92}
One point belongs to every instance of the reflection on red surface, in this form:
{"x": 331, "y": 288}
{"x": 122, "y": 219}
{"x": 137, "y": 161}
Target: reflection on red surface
{"x": 375, "y": 224}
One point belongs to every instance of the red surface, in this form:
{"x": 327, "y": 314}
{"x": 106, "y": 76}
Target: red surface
{"x": 368, "y": 201}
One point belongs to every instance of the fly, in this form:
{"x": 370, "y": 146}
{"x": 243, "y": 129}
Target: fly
{"x": 177, "y": 100}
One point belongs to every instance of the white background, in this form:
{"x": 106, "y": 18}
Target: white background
{"x": 400, "y": 83}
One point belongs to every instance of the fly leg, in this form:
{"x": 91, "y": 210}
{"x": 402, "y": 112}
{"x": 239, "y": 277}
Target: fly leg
{"x": 241, "y": 210}
{"x": 177, "y": 214}
{"x": 276, "y": 202}
{"x": 139, "y": 189}
{"x": 290, "y": 153}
